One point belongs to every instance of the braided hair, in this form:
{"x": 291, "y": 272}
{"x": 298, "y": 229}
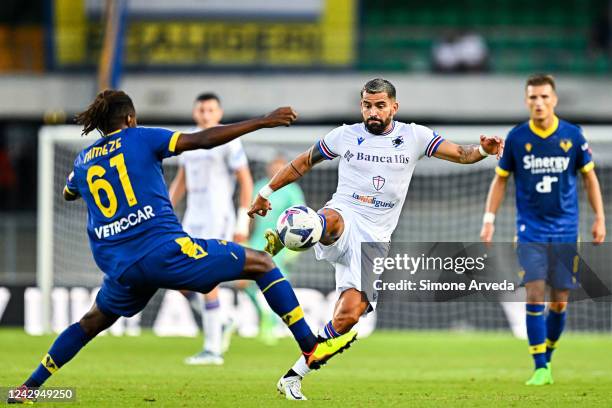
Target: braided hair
{"x": 106, "y": 113}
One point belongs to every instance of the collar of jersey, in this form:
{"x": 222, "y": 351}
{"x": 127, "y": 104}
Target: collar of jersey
{"x": 544, "y": 133}
{"x": 113, "y": 132}
{"x": 387, "y": 133}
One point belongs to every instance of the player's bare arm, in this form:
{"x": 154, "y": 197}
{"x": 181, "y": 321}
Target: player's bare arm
{"x": 497, "y": 191}
{"x": 295, "y": 169}
{"x": 591, "y": 185}
{"x": 468, "y": 154}
{"x": 218, "y": 135}
{"x": 245, "y": 183}
{"x": 177, "y": 188}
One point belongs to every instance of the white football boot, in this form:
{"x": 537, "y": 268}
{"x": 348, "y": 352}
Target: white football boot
{"x": 291, "y": 388}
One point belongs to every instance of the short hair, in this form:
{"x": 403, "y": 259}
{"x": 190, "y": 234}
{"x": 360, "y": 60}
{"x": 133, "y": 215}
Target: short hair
{"x": 208, "y": 96}
{"x": 541, "y": 79}
{"x": 378, "y": 85}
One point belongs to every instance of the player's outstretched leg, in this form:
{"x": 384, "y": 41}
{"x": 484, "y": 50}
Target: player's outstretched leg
{"x": 536, "y": 332}
{"x": 279, "y": 294}
{"x": 351, "y": 305}
{"x": 333, "y": 226}
{"x": 68, "y": 344}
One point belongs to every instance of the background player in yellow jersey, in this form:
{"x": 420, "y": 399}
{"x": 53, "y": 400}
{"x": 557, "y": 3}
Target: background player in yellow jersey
{"x": 545, "y": 154}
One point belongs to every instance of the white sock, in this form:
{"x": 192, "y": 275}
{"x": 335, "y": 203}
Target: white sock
{"x": 212, "y": 327}
{"x": 300, "y": 367}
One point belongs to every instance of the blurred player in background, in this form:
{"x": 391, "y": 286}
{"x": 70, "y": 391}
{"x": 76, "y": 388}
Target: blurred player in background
{"x": 545, "y": 154}
{"x": 209, "y": 179}
{"x": 377, "y": 159}
{"x": 137, "y": 241}
{"x": 287, "y": 197}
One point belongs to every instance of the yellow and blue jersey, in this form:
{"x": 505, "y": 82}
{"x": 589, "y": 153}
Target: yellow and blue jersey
{"x": 545, "y": 164}
{"x": 120, "y": 177}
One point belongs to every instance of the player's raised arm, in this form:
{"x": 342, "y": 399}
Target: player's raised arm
{"x": 218, "y": 135}
{"x": 295, "y": 169}
{"x": 468, "y": 154}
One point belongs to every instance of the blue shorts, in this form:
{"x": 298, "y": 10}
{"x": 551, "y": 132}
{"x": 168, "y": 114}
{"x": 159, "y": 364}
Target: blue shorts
{"x": 552, "y": 259}
{"x": 187, "y": 263}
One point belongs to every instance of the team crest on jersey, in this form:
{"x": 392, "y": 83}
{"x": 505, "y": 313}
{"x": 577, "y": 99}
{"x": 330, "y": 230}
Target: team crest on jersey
{"x": 398, "y": 141}
{"x": 378, "y": 182}
{"x": 528, "y": 147}
{"x": 566, "y": 145}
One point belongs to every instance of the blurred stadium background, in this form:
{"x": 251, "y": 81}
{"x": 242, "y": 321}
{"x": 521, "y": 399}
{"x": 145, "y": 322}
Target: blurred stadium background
{"x": 459, "y": 67}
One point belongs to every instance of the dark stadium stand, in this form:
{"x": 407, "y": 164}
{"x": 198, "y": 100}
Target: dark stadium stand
{"x": 522, "y": 36}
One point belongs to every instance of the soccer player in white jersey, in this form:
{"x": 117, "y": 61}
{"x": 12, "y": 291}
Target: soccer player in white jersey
{"x": 377, "y": 159}
{"x": 209, "y": 179}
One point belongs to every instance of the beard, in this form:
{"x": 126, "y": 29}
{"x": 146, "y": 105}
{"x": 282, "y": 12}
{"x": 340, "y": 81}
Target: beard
{"x": 376, "y": 126}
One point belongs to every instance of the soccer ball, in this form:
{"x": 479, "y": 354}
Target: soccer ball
{"x": 299, "y": 227}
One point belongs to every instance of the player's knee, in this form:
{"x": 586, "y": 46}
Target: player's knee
{"x": 535, "y": 293}
{"x": 558, "y": 307}
{"x": 258, "y": 262}
{"x": 265, "y": 262}
{"x": 334, "y": 226}
{"x": 94, "y": 321}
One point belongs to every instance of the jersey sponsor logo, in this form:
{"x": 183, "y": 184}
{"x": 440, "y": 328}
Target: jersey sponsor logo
{"x": 566, "y": 145}
{"x": 528, "y": 147}
{"x": 348, "y": 155}
{"x": 360, "y": 140}
{"x": 373, "y": 201}
{"x": 553, "y": 164}
{"x": 124, "y": 223}
{"x": 545, "y": 186}
{"x": 374, "y": 158}
{"x": 378, "y": 182}
{"x": 398, "y": 141}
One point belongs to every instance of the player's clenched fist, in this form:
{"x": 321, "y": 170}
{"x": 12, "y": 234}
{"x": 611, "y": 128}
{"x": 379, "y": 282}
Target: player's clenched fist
{"x": 260, "y": 206}
{"x": 284, "y": 116}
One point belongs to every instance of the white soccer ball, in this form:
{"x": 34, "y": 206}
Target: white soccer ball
{"x": 299, "y": 227}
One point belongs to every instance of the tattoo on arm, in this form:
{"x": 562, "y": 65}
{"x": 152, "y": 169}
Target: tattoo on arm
{"x": 315, "y": 156}
{"x": 465, "y": 152}
{"x": 294, "y": 169}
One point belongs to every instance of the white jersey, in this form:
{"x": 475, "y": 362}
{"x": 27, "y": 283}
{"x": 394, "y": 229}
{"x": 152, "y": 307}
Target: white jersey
{"x": 210, "y": 181}
{"x": 375, "y": 171}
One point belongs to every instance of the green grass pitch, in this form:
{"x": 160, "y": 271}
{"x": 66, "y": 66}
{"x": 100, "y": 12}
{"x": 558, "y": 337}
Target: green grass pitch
{"x": 424, "y": 369}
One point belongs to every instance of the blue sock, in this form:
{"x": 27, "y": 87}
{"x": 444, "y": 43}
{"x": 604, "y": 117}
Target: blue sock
{"x": 555, "y": 322}
{"x": 281, "y": 298}
{"x": 536, "y": 332}
{"x": 67, "y": 344}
